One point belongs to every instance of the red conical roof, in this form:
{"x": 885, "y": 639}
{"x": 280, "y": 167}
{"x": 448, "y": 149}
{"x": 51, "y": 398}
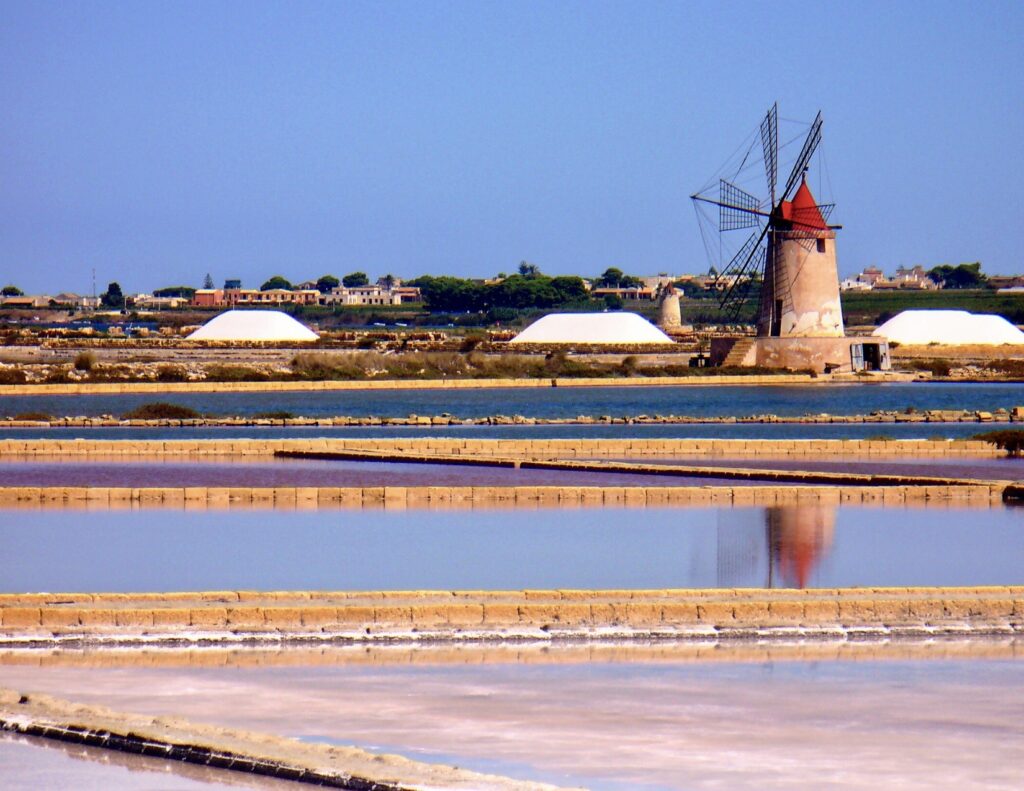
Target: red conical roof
{"x": 803, "y": 210}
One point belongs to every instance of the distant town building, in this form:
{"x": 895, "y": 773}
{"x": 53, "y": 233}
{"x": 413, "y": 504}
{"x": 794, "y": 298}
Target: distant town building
{"x": 870, "y": 276}
{"x": 371, "y": 295}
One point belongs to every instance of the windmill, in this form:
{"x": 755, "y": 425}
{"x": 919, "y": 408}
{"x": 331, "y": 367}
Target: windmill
{"x": 790, "y": 243}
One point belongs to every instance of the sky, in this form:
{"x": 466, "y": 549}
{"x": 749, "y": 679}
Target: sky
{"x": 159, "y": 142}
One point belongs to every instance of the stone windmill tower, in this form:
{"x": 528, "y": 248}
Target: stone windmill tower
{"x": 792, "y": 247}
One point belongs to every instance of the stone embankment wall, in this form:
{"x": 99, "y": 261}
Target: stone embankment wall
{"x": 537, "y": 614}
{"x": 425, "y": 421}
{"x": 169, "y": 388}
{"x": 518, "y": 448}
{"x": 474, "y": 497}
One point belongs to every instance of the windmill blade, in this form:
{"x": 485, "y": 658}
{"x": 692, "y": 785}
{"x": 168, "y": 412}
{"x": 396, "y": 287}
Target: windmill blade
{"x": 810, "y": 145}
{"x": 770, "y": 146}
{"x": 736, "y": 208}
{"x": 743, "y": 262}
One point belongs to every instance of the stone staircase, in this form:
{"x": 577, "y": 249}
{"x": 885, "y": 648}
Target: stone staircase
{"x": 734, "y": 359}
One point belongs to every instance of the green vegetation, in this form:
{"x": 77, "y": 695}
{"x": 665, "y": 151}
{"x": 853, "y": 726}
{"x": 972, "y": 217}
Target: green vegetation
{"x": 276, "y": 282}
{"x": 84, "y": 361}
{"x": 183, "y": 292}
{"x": 33, "y": 416}
{"x": 614, "y": 278}
{"x": 278, "y": 415}
{"x": 161, "y": 410}
{"x": 877, "y": 307}
{"x": 171, "y": 373}
{"x": 318, "y": 366}
{"x": 11, "y": 291}
{"x": 1010, "y": 439}
{"x": 518, "y": 292}
{"x": 937, "y": 367}
{"x": 112, "y": 298}
{"x": 325, "y": 283}
{"x": 961, "y": 276}
{"x": 355, "y": 280}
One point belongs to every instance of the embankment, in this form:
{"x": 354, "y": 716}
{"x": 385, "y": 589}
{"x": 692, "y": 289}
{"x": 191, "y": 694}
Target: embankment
{"x": 255, "y": 617}
{"x": 176, "y": 739}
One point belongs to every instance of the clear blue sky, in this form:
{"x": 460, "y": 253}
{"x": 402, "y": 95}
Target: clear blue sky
{"x": 160, "y": 141}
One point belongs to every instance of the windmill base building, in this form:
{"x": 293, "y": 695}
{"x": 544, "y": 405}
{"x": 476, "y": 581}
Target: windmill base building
{"x": 800, "y": 315}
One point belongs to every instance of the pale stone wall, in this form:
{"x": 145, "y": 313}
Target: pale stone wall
{"x": 540, "y": 448}
{"x": 807, "y": 283}
{"x": 453, "y": 612}
{"x": 980, "y": 494}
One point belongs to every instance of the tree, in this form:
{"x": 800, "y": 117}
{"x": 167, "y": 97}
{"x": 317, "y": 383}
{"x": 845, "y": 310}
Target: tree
{"x": 570, "y": 288}
{"x": 208, "y": 281}
{"x": 355, "y": 280}
{"x": 12, "y": 291}
{"x": 112, "y": 297}
{"x": 184, "y": 292}
{"x": 613, "y": 277}
{"x": 610, "y": 279}
{"x": 962, "y": 276}
{"x": 276, "y": 282}
{"x": 388, "y": 281}
{"x": 326, "y": 283}
{"x": 526, "y": 269}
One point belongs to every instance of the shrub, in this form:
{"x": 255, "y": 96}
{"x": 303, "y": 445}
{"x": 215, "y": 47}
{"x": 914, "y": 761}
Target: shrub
{"x": 84, "y": 361}
{"x": 171, "y": 373}
{"x": 937, "y": 366}
{"x": 161, "y": 410}
{"x": 279, "y": 415}
{"x": 1009, "y": 439}
{"x": 33, "y": 416}
{"x": 12, "y": 376}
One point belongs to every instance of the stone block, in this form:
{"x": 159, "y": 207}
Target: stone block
{"x": 174, "y": 617}
{"x": 714, "y": 612}
{"x": 356, "y": 615}
{"x": 786, "y": 611}
{"x": 856, "y": 611}
{"x": 245, "y": 618}
{"x": 96, "y": 616}
{"x": 392, "y": 615}
{"x": 644, "y": 613}
{"x": 319, "y": 617}
{"x": 501, "y": 614}
{"x": 283, "y": 618}
{"x": 137, "y": 618}
{"x": 59, "y": 617}
{"x": 208, "y": 617}
{"x": 680, "y": 613}
{"x": 465, "y": 614}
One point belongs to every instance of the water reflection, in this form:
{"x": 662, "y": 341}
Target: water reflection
{"x": 782, "y": 548}
{"x": 808, "y": 545}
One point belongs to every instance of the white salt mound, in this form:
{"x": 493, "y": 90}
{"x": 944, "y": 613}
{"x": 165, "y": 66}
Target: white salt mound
{"x": 598, "y": 328}
{"x": 949, "y": 328}
{"x": 253, "y": 325}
